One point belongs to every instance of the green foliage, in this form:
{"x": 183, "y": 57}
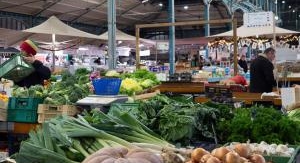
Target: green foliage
{"x": 258, "y": 124}
{"x": 36, "y": 91}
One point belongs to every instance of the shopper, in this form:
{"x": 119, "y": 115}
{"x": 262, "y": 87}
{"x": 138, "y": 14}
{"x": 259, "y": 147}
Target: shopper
{"x": 97, "y": 61}
{"x": 40, "y": 73}
{"x": 261, "y": 72}
{"x": 243, "y": 63}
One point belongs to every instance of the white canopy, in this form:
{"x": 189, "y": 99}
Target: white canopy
{"x": 54, "y": 26}
{"x": 256, "y": 31}
{"x": 121, "y": 36}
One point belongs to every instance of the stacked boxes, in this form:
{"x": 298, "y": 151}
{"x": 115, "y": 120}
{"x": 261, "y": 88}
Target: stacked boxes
{"x": 23, "y": 109}
{"x": 46, "y": 112}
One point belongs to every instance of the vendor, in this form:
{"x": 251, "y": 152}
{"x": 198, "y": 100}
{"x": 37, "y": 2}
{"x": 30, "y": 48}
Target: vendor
{"x": 261, "y": 69}
{"x": 40, "y": 73}
{"x": 243, "y": 63}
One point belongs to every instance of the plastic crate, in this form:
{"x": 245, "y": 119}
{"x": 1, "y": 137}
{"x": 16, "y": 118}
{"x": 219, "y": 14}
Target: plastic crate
{"x": 282, "y": 159}
{"x": 107, "y": 86}
{"x": 24, "y": 103}
{"x": 3, "y": 114}
{"x": 47, "y": 112}
{"x": 22, "y": 115}
{"x": 15, "y": 68}
{"x": 3, "y": 105}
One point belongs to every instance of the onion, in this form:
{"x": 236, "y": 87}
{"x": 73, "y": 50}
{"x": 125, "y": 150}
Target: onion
{"x": 256, "y": 158}
{"x": 232, "y": 157}
{"x": 197, "y": 154}
{"x": 220, "y": 152}
{"x": 242, "y": 150}
{"x": 244, "y": 160}
{"x": 213, "y": 160}
{"x": 189, "y": 161}
{"x": 205, "y": 157}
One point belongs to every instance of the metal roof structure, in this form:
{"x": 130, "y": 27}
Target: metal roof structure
{"x": 91, "y": 15}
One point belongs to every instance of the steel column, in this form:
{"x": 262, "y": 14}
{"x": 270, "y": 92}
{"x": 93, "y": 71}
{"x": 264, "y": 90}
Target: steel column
{"x": 111, "y": 21}
{"x": 207, "y": 26}
{"x": 172, "y": 36}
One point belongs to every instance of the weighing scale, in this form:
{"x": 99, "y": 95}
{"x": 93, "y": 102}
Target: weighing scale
{"x": 101, "y": 101}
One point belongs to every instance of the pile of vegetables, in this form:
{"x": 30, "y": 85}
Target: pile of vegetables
{"x": 36, "y": 91}
{"x": 71, "y": 140}
{"x": 175, "y": 120}
{"x": 257, "y": 124}
{"x": 240, "y": 153}
{"x": 67, "y": 91}
{"x": 294, "y": 115}
{"x": 263, "y": 148}
{"x": 3, "y": 98}
{"x": 123, "y": 155}
{"x": 136, "y": 82}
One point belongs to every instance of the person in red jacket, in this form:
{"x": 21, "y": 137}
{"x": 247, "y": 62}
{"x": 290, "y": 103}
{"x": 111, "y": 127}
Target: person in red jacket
{"x": 40, "y": 73}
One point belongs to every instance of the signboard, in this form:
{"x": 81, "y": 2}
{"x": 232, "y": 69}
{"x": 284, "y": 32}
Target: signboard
{"x": 164, "y": 46}
{"x": 123, "y": 51}
{"x": 258, "y": 19}
{"x": 145, "y": 53}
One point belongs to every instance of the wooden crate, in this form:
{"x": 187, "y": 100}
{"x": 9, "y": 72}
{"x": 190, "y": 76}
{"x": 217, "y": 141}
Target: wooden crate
{"x": 3, "y": 114}
{"x": 46, "y": 112}
{"x": 146, "y": 95}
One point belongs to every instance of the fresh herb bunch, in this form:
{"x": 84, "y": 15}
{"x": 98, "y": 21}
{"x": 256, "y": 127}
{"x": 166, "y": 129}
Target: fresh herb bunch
{"x": 257, "y": 124}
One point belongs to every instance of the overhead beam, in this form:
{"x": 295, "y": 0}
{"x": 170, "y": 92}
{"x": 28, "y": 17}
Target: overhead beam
{"x": 46, "y": 7}
{"x": 87, "y": 11}
{"x": 22, "y": 4}
{"x": 183, "y": 23}
{"x": 131, "y": 8}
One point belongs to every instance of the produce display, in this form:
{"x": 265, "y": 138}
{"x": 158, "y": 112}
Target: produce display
{"x": 256, "y": 124}
{"x": 176, "y": 120}
{"x": 162, "y": 129}
{"x": 67, "y": 91}
{"x": 294, "y": 115}
{"x": 263, "y": 148}
{"x": 123, "y": 155}
{"x": 240, "y": 153}
{"x": 136, "y": 82}
{"x": 70, "y": 140}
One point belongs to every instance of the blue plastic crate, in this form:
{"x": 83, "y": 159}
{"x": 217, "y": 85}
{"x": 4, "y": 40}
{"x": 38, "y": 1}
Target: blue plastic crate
{"x": 107, "y": 86}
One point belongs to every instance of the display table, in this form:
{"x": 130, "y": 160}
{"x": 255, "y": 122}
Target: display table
{"x": 250, "y": 98}
{"x": 246, "y": 97}
{"x": 293, "y": 78}
{"x": 181, "y": 87}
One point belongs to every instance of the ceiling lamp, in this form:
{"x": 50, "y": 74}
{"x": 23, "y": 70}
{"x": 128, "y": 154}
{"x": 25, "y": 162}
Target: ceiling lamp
{"x": 186, "y": 7}
{"x": 160, "y": 4}
{"x": 144, "y": 1}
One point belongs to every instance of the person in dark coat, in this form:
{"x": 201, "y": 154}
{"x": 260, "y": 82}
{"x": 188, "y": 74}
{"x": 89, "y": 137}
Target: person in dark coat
{"x": 243, "y": 63}
{"x": 40, "y": 73}
{"x": 261, "y": 72}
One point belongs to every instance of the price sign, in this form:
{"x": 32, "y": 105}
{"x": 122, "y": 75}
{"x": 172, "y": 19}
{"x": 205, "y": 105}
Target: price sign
{"x": 258, "y": 19}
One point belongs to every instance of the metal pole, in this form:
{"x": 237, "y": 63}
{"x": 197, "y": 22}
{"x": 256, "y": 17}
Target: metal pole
{"x": 53, "y": 52}
{"x": 111, "y": 20}
{"x": 137, "y": 48}
{"x": 235, "y": 46}
{"x": 172, "y": 36}
{"x": 207, "y": 26}
{"x": 274, "y": 32}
